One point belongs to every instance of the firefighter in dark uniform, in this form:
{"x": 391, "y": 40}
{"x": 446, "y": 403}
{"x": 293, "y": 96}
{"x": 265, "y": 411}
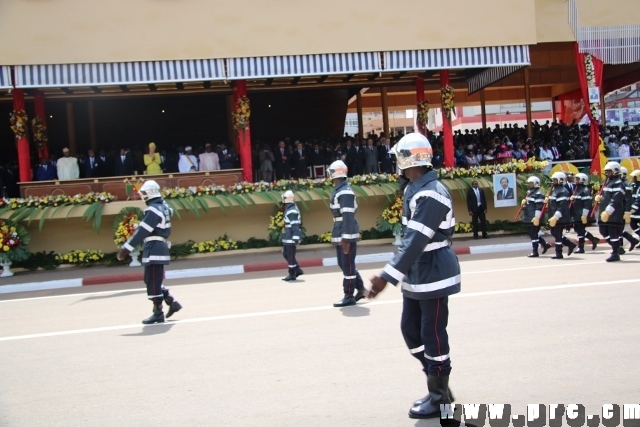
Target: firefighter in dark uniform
{"x": 580, "y": 206}
{"x": 559, "y": 214}
{"x": 531, "y": 213}
{"x": 154, "y": 230}
{"x": 635, "y": 207}
{"x": 427, "y": 269}
{"x": 571, "y": 188}
{"x": 345, "y": 233}
{"x": 611, "y": 209}
{"x": 628, "y": 201}
{"x": 291, "y": 235}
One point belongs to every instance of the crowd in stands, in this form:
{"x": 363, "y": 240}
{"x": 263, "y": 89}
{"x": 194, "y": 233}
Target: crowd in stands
{"x": 298, "y": 158}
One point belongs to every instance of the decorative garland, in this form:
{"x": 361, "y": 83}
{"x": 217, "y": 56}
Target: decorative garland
{"x": 125, "y": 224}
{"x": 19, "y": 123}
{"x": 423, "y": 113}
{"x": 447, "y": 95}
{"x": 83, "y": 258}
{"x": 591, "y": 82}
{"x": 14, "y": 241}
{"x": 391, "y": 217}
{"x": 242, "y": 114}
{"x": 39, "y": 131}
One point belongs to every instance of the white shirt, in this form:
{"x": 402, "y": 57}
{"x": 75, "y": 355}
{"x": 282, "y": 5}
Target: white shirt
{"x": 623, "y": 151}
{"x": 209, "y": 162}
{"x": 68, "y": 168}
{"x": 477, "y": 191}
{"x": 187, "y": 162}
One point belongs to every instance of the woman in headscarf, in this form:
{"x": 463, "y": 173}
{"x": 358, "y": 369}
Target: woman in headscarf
{"x": 152, "y": 161}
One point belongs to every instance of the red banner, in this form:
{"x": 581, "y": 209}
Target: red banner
{"x": 449, "y": 159}
{"x": 244, "y": 136}
{"x": 24, "y": 158}
{"x": 43, "y": 148}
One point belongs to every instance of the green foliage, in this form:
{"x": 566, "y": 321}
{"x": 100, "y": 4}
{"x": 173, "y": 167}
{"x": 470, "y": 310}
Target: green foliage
{"x": 44, "y": 260}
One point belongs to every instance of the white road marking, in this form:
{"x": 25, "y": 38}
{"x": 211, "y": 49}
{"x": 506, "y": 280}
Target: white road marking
{"x": 309, "y": 309}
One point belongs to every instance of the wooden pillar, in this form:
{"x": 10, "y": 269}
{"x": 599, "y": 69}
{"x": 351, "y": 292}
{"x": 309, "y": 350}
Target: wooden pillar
{"x": 385, "y": 112}
{"x": 483, "y": 110}
{"x": 527, "y": 100}
{"x": 71, "y": 129}
{"x": 603, "y": 108}
{"x": 92, "y": 128}
{"x": 360, "y": 124}
{"x": 553, "y": 109}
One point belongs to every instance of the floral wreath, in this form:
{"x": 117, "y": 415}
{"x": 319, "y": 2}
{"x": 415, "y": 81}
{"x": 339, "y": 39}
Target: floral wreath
{"x": 447, "y": 95}
{"x": 391, "y": 217}
{"x": 14, "y": 241}
{"x": 39, "y": 130}
{"x": 125, "y": 224}
{"x": 242, "y": 114}
{"x": 423, "y": 113}
{"x": 591, "y": 82}
{"x": 19, "y": 123}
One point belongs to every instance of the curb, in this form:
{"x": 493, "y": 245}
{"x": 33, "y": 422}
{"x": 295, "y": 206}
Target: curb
{"x": 241, "y": 269}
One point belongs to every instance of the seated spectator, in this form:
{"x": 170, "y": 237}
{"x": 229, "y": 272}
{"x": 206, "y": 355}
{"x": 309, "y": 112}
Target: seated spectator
{"x": 471, "y": 159}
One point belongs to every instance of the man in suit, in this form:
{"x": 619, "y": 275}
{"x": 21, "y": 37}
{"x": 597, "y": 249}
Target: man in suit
{"x": 506, "y": 192}
{"x": 123, "y": 163}
{"x": 45, "y": 171}
{"x": 477, "y": 207}
{"x": 316, "y": 158}
{"x": 89, "y": 166}
{"x": 370, "y": 158}
{"x": 282, "y": 161}
{"x": 357, "y": 154}
{"x": 227, "y": 158}
{"x": 385, "y": 157}
{"x": 104, "y": 165}
{"x": 299, "y": 161}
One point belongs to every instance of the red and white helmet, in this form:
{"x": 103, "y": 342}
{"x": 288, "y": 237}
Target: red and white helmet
{"x": 337, "y": 169}
{"x": 149, "y": 190}
{"x": 413, "y": 150}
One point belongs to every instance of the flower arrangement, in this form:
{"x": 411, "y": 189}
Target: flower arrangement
{"x": 220, "y": 244}
{"x": 591, "y": 82}
{"x": 276, "y": 224}
{"x": 447, "y": 95}
{"x": 19, "y": 123}
{"x": 463, "y": 227}
{"x": 242, "y": 114}
{"x": 125, "y": 224}
{"x": 423, "y": 113}
{"x": 325, "y": 237}
{"x": 391, "y": 217}
{"x": 519, "y": 166}
{"x": 84, "y": 258}
{"x": 42, "y": 202}
{"x": 39, "y": 130}
{"x": 14, "y": 239}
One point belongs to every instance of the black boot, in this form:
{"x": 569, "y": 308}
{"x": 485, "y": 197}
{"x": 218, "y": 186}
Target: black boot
{"x": 533, "y": 254}
{"x": 299, "y": 272}
{"x": 428, "y": 396}
{"x": 289, "y": 277}
{"x": 613, "y": 257}
{"x": 346, "y": 301}
{"x": 158, "y": 315}
{"x": 580, "y": 249}
{"x": 632, "y": 240}
{"x": 571, "y": 245}
{"x": 558, "y": 254}
{"x": 594, "y": 241}
{"x": 359, "y": 294}
{"x": 621, "y": 250}
{"x": 439, "y": 395}
{"x": 174, "y": 308}
{"x": 545, "y": 245}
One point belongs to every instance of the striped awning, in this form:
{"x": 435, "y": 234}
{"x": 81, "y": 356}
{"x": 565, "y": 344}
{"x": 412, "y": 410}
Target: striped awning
{"x": 121, "y": 73}
{"x": 443, "y": 59}
{"x": 304, "y": 65}
{"x": 5, "y": 77}
{"x": 490, "y": 76}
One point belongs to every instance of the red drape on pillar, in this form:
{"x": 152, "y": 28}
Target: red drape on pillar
{"x": 24, "y": 158}
{"x": 244, "y": 136}
{"x": 419, "y": 99}
{"x": 447, "y": 142}
{"x": 43, "y": 150}
{"x": 594, "y": 131}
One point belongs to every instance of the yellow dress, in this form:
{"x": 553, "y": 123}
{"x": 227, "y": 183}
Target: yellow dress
{"x": 152, "y": 164}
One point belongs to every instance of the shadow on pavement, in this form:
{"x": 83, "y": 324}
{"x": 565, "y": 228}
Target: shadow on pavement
{"x": 119, "y": 294}
{"x": 355, "y": 311}
{"x": 156, "y": 329}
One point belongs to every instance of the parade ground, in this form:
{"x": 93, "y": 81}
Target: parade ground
{"x": 252, "y": 350}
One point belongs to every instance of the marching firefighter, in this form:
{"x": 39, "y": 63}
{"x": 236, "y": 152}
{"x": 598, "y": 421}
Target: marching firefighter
{"x": 428, "y": 270}
{"x": 154, "y": 230}
{"x": 635, "y": 207}
{"x": 611, "y": 209}
{"x": 345, "y": 233}
{"x": 572, "y": 188}
{"x": 580, "y": 206}
{"x": 291, "y": 235}
{"x": 532, "y": 211}
{"x": 628, "y": 201}
{"x": 559, "y": 214}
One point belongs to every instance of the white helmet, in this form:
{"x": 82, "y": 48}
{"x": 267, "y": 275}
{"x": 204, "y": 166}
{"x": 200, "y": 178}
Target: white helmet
{"x": 149, "y": 190}
{"x": 413, "y": 150}
{"x": 612, "y": 166}
{"x": 582, "y": 178}
{"x": 623, "y": 171}
{"x": 535, "y": 180}
{"x": 560, "y": 176}
{"x": 288, "y": 197}
{"x": 337, "y": 169}
{"x": 635, "y": 173}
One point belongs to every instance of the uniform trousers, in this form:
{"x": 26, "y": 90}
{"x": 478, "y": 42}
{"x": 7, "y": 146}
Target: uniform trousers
{"x": 424, "y": 328}
{"x": 347, "y": 263}
{"x": 289, "y": 253}
{"x": 153, "y": 278}
{"x": 613, "y": 233}
{"x": 536, "y": 240}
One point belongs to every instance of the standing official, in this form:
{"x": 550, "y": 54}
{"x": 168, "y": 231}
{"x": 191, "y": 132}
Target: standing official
{"x": 345, "y": 233}
{"x": 428, "y": 270}
{"x": 477, "y": 207}
{"x": 154, "y": 230}
{"x": 370, "y": 158}
{"x": 628, "y": 201}
{"x": 532, "y": 206}
{"x": 581, "y": 202}
{"x": 635, "y": 207}
{"x": 68, "y": 167}
{"x": 559, "y": 214}
{"x": 611, "y": 209}
{"x": 291, "y": 235}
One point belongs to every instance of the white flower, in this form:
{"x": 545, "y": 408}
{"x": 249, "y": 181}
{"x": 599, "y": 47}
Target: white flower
{"x": 11, "y": 242}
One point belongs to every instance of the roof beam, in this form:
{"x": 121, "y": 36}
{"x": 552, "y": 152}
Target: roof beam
{"x": 96, "y": 89}
{"x": 66, "y": 90}
{"x": 400, "y": 75}
{"x": 322, "y": 79}
{"x": 124, "y": 88}
{"x": 348, "y": 78}
{"x": 180, "y": 86}
{"x": 152, "y": 87}
{"x": 295, "y": 80}
{"x": 269, "y": 82}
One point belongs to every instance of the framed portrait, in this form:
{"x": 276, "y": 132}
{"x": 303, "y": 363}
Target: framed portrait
{"x": 594, "y": 95}
{"x": 505, "y": 190}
